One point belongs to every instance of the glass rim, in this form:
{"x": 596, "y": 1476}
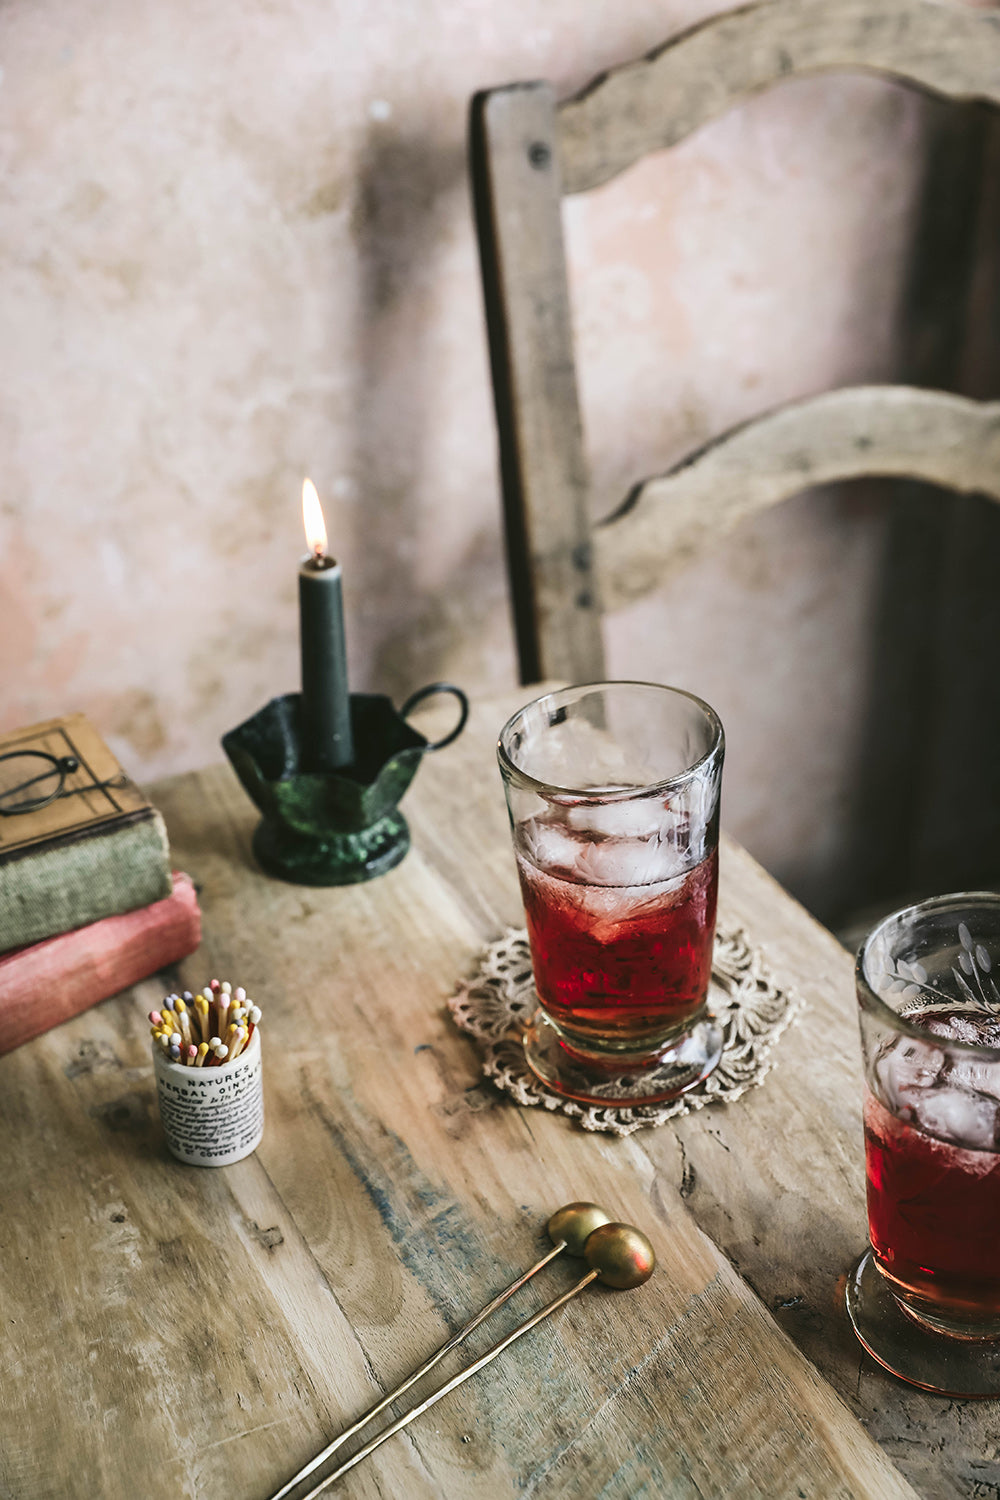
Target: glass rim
{"x": 623, "y": 794}
{"x": 871, "y": 1002}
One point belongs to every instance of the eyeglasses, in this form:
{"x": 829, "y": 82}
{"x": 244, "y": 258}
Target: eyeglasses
{"x": 30, "y": 779}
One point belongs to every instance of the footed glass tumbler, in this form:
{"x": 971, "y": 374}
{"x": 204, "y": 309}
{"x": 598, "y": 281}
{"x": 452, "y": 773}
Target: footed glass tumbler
{"x": 925, "y": 1299}
{"x": 613, "y": 793}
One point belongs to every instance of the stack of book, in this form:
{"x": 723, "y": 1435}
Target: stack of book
{"x": 88, "y": 901}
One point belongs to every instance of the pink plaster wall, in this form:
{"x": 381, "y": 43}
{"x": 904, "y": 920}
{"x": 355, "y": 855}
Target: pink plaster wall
{"x": 236, "y": 248}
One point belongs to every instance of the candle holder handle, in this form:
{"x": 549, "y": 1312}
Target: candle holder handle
{"x": 428, "y": 692}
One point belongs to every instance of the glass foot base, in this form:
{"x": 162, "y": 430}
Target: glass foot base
{"x": 951, "y": 1366}
{"x": 622, "y": 1078}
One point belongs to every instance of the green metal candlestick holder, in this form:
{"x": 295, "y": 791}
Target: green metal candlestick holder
{"x": 333, "y": 827}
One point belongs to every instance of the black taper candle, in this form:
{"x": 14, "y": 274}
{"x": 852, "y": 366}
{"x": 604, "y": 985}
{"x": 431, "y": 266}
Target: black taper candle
{"x": 327, "y": 742}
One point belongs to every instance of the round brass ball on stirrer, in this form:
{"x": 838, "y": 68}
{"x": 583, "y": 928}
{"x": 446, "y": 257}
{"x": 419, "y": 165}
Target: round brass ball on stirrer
{"x": 619, "y": 1255}
{"x": 572, "y": 1225}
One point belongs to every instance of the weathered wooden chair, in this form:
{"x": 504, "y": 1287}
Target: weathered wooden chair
{"x": 527, "y": 151}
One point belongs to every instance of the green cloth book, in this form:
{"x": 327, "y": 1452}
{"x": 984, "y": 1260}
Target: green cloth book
{"x": 96, "y": 849}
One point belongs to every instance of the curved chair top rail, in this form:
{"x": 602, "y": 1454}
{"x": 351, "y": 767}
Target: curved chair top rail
{"x": 947, "y": 49}
{"x": 888, "y": 431}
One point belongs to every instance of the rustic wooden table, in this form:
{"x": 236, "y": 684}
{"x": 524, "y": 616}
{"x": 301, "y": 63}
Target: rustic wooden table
{"x": 174, "y": 1331}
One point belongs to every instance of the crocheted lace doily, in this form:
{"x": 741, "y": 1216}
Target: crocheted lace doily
{"x": 500, "y": 997}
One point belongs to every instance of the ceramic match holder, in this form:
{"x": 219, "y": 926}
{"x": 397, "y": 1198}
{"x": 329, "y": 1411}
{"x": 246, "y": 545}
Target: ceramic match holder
{"x": 212, "y": 1116}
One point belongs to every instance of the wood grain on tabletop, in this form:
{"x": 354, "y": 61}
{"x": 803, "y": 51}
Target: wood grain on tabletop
{"x": 188, "y": 1332}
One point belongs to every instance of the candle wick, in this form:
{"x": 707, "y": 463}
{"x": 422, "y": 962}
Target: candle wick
{"x": 318, "y": 554}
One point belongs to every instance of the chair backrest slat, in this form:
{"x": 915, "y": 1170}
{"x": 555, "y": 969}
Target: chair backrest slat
{"x": 518, "y": 196}
{"x": 858, "y": 431}
{"x": 526, "y": 153}
{"x": 644, "y": 106}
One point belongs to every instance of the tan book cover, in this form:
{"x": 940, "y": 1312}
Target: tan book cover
{"x": 95, "y": 849}
{"x": 93, "y": 798}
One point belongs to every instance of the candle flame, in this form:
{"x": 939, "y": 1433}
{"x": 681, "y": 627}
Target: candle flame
{"x": 312, "y": 519}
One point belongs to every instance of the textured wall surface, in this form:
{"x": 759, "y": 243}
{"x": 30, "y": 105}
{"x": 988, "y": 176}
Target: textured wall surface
{"x": 236, "y": 248}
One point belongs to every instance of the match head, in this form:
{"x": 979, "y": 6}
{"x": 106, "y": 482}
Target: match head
{"x": 621, "y": 1255}
{"x": 573, "y": 1223}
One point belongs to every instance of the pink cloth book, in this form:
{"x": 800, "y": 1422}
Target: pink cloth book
{"x": 57, "y": 978}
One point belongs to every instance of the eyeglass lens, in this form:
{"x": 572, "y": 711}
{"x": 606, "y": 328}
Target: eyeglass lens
{"x": 30, "y": 778}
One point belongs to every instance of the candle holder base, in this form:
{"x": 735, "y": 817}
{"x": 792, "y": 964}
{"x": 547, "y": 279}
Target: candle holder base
{"x": 335, "y": 859}
{"x": 333, "y": 827}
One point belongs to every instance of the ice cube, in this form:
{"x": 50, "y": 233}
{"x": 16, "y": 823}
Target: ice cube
{"x": 550, "y": 845}
{"x": 904, "y": 1071}
{"x": 609, "y": 909}
{"x": 958, "y": 1116}
{"x": 640, "y": 818}
{"x": 975, "y": 1030}
{"x": 627, "y": 863}
{"x": 980, "y": 1029}
{"x": 604, "y": 910}
{"x": 981, "y": 1078}
{"x": 597, "y": 910}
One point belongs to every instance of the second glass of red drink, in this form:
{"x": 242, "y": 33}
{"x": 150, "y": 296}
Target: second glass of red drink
{"x": 613, "y": 793}
{"x": 925, "y": 1299}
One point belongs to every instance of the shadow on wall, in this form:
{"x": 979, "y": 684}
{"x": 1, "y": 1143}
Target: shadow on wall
{"x": 406, "y": 201}
{"x": 927, "y": 814}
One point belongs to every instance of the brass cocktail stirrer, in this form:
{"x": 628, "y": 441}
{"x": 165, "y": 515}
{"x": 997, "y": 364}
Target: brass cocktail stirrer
{"x": 568, "y": 1230}
{"x": 618, "y": 1254}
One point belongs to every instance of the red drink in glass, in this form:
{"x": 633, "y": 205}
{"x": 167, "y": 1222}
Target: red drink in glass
{"x": 613, "y": 794}
{"x": 620, "y": 963}
{"x": 934, "y": 1173}
{"x": 924, "y": 1298}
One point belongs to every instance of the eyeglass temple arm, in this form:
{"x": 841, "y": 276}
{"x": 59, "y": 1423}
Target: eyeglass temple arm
{"x": 23, "y": 786}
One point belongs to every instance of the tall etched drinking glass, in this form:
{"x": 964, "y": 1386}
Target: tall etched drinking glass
{"x": 613, "y": 794}
{"x": 925, "y": 1299}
